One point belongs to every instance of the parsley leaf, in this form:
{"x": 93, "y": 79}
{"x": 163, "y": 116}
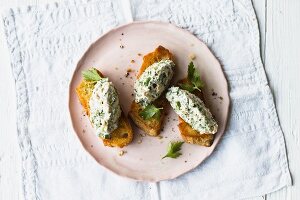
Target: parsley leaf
{"x": 195, "y": 82}
{"x": 173, "y": 149}
{"x": 91, "y": 75}
{"x": 150, "y": 111}
{"x": 187, "y": 86}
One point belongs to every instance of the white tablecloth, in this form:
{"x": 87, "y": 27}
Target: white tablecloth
{"x": 45, "y": 42}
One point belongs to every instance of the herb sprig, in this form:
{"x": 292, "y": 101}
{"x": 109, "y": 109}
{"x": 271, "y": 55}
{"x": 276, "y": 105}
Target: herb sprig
{"x": 91, "y": 75}
{"x": 194, "y": 79}
{"x": 173, "y": 149}
{"x": 150, "y": 111}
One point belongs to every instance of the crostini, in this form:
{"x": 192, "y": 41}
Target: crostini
{"x": 100, "y": 100}
{"x": 196, "y": 123}
{"x": 148, "y": 108}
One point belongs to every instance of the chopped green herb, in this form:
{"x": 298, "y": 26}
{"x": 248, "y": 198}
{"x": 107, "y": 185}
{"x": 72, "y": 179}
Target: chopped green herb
{"x": 91, "y": 75}
{"x": 178, "y": 105}
{"x": 173, "y": 149}
{"x": 150, "y": 111}
{"x": 107, "y": 136}
{"x": 147, "y": 81}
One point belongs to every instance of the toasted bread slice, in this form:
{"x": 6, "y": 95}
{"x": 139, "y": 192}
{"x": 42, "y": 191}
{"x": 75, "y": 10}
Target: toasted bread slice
{"x": 150, "y": 126}
{"x": 120, "y": 137}
{"x": 190, "y": 135}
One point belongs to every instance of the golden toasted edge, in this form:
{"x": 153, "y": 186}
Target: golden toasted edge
{"x": 123, "y": 135}
{"x": 151, "y": 126}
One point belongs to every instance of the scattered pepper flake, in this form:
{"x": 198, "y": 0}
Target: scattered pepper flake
{"x": 139, "y": 54}
{"x": 221, "y": 98}
{"x": 185, "y": 161}
{"x": 83, "y": 130}
{"x": 132, "y": 61}
{"x": 122, "y": 33}
{"x": 122, "y": 46}
{"x": 92, "y": 146}
{"x": 214, "y": 94}
{"x": 132, "y": 94}
{"x": 127, "y": 74}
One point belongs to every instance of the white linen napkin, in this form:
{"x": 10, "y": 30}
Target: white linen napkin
{"x": 45, "y": 43}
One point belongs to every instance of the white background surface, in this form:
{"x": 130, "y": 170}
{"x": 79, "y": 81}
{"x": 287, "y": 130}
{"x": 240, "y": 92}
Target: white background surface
{"x": 279, "y": 23}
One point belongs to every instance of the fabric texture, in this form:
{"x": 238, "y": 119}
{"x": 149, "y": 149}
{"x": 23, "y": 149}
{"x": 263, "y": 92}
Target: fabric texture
{"x": 45, "y": 43}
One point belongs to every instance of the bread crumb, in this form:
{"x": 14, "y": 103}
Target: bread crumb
{"x": 192, "y": 56}
{"x": 142, "y": 134}
{"x": 132, "y": 61}
{"x": 122, "y": 152}
{"x": 139, "y": 141}
{"x": 130, "y": 70}
{"x": 139, "y": 54}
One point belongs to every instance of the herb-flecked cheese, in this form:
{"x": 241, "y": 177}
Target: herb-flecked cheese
{"x": 153, "y": 82}
{"x": 192, "y": 110}
{"x": 105, "y": 109}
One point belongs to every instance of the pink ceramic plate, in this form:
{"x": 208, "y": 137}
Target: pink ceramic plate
{"x": 123, "y": 48}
